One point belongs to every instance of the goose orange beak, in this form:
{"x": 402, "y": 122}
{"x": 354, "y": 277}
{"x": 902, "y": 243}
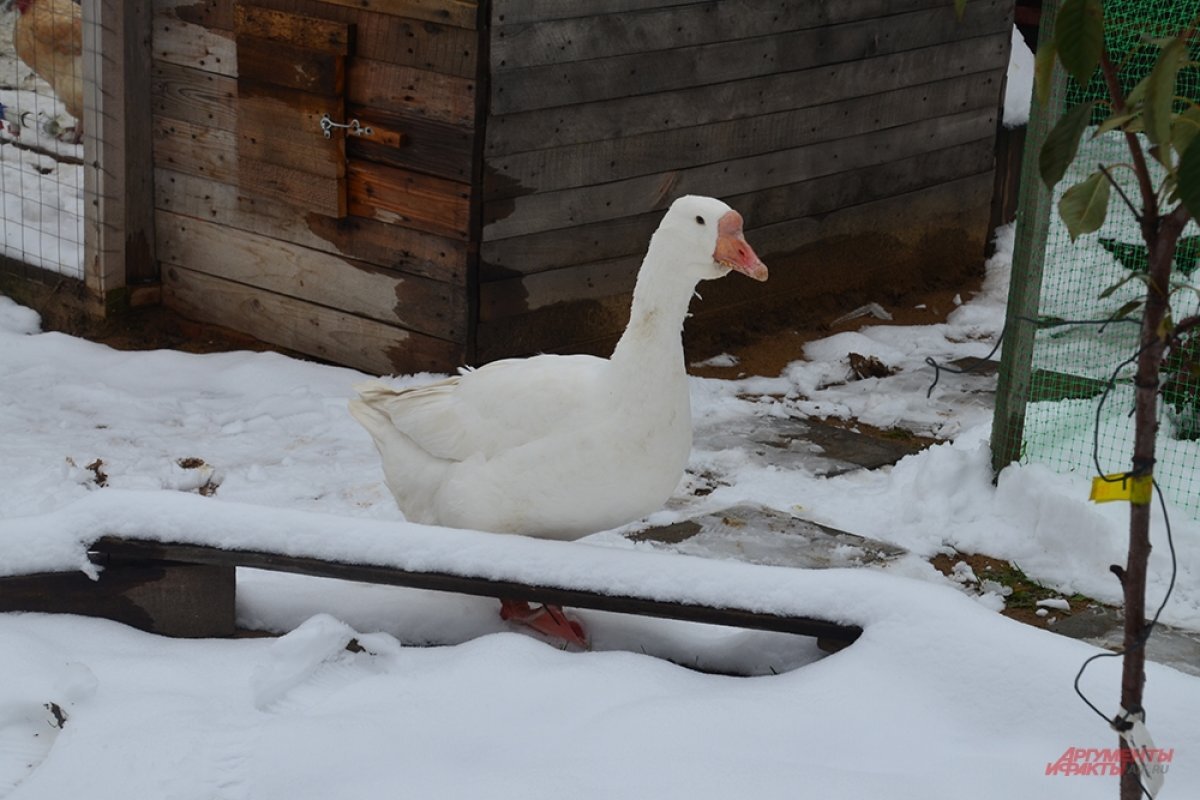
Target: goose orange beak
{"x": 734, "y": 251}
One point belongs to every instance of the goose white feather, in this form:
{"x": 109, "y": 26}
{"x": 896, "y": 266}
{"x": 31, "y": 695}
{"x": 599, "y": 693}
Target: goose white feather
{"x": 562, "y": 446}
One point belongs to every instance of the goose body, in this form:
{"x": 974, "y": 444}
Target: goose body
{"x": 560, "y": 446}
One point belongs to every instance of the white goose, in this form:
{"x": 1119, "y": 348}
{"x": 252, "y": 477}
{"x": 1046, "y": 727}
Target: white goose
{"x": 559, "y": 446}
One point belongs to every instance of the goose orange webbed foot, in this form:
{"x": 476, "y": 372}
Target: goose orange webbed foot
{"x": 550, "y": 621}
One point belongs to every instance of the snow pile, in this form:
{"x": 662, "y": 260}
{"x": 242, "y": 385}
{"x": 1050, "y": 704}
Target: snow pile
{"x": 1018, "y": 91}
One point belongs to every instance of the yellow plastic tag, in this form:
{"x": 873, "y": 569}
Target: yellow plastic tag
{"x": 1120, "y": 486}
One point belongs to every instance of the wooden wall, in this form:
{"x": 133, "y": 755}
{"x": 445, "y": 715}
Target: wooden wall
{"x": 855, "y": 136}
{"x": 356, "y": 250}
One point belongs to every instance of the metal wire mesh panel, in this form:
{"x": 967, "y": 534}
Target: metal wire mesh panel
{"x": 41, "y": 130}
{"x": 1072, "y": 419}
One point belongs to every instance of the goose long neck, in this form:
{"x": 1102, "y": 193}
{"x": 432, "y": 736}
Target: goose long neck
{"x": 653, "y": 340}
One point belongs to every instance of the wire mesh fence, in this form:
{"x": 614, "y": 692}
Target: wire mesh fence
{"x": 1087, "y": 331}
{"x": 42, "y": 75}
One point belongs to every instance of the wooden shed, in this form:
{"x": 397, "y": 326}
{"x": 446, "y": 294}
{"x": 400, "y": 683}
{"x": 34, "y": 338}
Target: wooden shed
{"x": 402, "y": 185}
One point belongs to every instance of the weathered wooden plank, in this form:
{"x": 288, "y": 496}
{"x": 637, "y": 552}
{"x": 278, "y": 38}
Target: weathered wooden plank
{"x": 213, "y": 153}
{"x": 283, "y": 127}
{"x": 553, "y": 85}
{"x": 603, "y": 33}
{"x": 429, "y": 146}
{"x": 274, "y": 63}
{"x": 305, "y": 327}
{"x": 570, "y": 207}
{"x": 616, "y": 159}
{"x": 193, "y": 95}
{"x": 609, "y": 119}
{"x": 399, "y": 40}
{"x": 305, "y": 32}
{"x": 458, "y": 13}
{"x": 217, "y": 14}
{"x": 937, "y": 232}
{"x": 408, "y": 198}
{"x": 195, "y": 149}
{"x": 192, "y": 45}
{"x": 478, "y": 586}
{"x": 373, "y": 242}
{"x": 187, "y": 600}
{"x": 601, "y": 277}
{"x": 409, "y": 91}
{"x": 511, "y": 12}
{"x": 408, "y": 301}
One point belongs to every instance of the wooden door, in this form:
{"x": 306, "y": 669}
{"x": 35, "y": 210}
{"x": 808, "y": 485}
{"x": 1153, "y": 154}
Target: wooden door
{"x": 352, "y": 247}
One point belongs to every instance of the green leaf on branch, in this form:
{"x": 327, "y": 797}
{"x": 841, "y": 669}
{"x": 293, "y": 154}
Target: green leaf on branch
{"x": 1079, "y": 37}
{"x": 960, "y": 8}
{"x": 1125, "y": 310}
{"x": 1189, "y": 180}
{"x": 1114, "y": 121}
{"x": 1160, "y": 95}
{"x": 1084, "y": 206}
{"x": 1062, "y": 143}
{"x": 1043, "y": 71}
{"x": 1186, "y": 126}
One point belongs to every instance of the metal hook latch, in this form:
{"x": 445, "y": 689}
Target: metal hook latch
{"x": 353, "y": 127}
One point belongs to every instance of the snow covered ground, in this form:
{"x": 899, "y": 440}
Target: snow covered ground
{"x": 942, "y": 697}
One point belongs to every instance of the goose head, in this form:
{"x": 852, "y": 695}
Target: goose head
{"x": 705, "y": 240}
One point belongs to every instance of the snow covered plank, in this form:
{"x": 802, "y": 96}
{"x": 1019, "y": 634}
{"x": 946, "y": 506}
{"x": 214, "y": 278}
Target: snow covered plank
{"x": 116, "y": 550}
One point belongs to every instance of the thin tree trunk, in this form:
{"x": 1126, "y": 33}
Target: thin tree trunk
{"x": 1161, "y": 234}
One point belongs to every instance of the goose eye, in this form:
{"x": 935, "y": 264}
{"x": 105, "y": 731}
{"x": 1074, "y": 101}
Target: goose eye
{"x": 699, "y": 220}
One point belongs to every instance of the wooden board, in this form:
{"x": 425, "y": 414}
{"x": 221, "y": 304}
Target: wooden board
{"x": 432, "y": 147}
{"x": 407, "y": 301}
{"x": 186, "y": 600}
{"x": 283, "y": 127}
{"x": 305, "y": 32}
{"x": 193, "y": 95}
{"x": 405, "y": 90}
{"x": 316, "y": 330}
{"x": 510, "y": 296}
{"x": 609, "y": 119}
{"x": 629, "y": 156}
{"x": 399, "y": 40}
{"x": 458, "y": 13}
{"x": 191, "y": 45}
{"x": 568, "y": 208}
{"x": 409, "y": 198}
{"x": 935, "y": 228}
{"x": 478, "y": 586}
{"x": 530, "y": 88}
{"x": 373, "y": 242}
{"x": 264, "y": 61}
{"x": 520, "y": 11}
{"x": 607, "y": 33}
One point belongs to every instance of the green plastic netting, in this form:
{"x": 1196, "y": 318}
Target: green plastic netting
{"x": 1068, "y": 366}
